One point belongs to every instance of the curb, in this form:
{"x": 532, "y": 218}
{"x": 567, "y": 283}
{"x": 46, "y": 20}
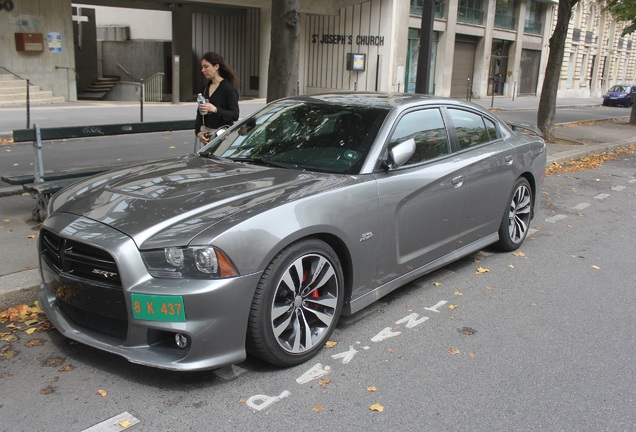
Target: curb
{"x": 18, "y": 288}
{"x": 580, "y": 151}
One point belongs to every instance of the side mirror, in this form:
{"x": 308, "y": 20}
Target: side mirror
{"x": 402, "y": 152}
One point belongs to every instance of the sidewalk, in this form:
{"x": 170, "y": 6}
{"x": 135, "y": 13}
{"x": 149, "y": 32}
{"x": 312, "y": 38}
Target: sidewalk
{"x": 19, "y": 276}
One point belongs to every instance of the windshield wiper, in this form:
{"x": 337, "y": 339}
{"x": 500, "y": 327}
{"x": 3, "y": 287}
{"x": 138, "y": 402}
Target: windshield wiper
{"x": 265, "y": 162}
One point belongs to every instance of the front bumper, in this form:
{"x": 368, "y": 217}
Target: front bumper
{"x": 100, "y": 314}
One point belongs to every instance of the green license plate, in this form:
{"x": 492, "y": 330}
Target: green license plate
{"x": 158, "y": 308}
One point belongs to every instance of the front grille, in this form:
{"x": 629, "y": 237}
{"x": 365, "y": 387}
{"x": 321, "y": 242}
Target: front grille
{"x": 108, "y": 326}
{"x": 79, "y": 260}
{"x": 89, "y": 292}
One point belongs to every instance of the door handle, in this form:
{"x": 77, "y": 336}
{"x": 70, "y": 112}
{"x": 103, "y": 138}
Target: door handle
{"x": 508, "y": 159}
{"x": 458, "y": 181}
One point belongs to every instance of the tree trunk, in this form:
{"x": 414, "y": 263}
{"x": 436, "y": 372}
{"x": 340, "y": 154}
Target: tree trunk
{"x": 547, "y": 102}
{"x": 283, "y": 68}
{"x": 632, "y": 117}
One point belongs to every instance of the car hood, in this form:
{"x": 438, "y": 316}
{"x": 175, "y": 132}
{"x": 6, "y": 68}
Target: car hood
{"x": 169, "y": 202}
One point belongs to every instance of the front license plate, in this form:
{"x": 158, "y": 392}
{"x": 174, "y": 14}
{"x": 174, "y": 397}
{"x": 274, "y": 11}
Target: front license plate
{"x": 158, "y": 308}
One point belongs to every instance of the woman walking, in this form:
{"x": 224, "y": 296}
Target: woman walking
{"x": 221, "y": 106}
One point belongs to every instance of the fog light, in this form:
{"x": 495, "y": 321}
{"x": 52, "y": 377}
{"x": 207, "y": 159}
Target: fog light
{"x": 181, "y": 340}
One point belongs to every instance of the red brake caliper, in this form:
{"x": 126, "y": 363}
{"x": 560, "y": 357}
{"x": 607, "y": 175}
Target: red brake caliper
{"x": 314, "y": 293}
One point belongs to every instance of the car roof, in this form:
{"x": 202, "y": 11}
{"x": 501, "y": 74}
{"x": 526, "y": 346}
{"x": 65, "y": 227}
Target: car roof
{"x": 379, "y": 100}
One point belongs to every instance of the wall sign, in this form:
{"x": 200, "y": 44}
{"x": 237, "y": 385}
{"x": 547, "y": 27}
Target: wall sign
{"x": 345, "y": 39}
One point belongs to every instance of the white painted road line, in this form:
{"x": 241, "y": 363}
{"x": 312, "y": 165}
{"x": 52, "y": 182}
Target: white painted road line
{"x": 618, "y": 188}
{"x": 118, "y": 423}
{"x": 602, "y": 196}
{"x": 581, "y": 206}
{"x": 555, "y": 218}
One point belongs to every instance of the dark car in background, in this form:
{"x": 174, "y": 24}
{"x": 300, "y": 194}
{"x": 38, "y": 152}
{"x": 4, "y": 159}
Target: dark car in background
{"x": 311, "y": 207}
{"x": 620, "y": 94}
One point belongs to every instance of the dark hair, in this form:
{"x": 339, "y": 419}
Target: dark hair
{"x": 225, "y": 70}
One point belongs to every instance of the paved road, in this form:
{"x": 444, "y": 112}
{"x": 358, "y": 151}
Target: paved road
{"x": 542, "y": 341}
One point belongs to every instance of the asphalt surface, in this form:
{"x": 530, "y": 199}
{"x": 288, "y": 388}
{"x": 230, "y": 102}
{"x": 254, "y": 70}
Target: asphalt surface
{"x": 19, "y": 276}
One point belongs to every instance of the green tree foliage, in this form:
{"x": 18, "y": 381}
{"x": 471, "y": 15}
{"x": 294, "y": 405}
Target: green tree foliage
{"x": 624, "y": 10}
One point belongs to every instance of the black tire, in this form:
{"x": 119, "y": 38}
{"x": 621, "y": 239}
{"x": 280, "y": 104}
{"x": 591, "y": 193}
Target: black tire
{"x": 516, "y": 219}
{"x": 297, "y": 304}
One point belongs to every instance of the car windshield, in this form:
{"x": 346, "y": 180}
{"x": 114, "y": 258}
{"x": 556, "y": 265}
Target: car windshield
{"x": 618, "y": 88}
{"x": 308, "y": 136}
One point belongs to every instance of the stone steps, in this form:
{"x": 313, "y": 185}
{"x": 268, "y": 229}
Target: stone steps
{"x": 13, "y": 93}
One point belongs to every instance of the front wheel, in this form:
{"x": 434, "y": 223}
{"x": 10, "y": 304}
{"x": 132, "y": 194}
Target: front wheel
{"x": 297, "y": 304}
{"x": 516, "y": 220}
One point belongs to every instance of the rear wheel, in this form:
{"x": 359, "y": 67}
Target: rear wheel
{"x": 297, "y": 304}
{"x": 516, "y": 220}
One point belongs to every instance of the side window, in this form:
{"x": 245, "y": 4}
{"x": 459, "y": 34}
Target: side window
{"x": 492, "y": 129}
{"x": 469, "y": 128}
{"x": 427, "y": 128}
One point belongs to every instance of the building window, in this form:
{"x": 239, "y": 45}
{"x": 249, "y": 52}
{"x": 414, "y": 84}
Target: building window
{"x": 533, "y": 17}
{"x": 505, "y": 14}
{"x": 416, "y": 8}
{"x": 470, "y": 11}
{"x": 411, "y": 61}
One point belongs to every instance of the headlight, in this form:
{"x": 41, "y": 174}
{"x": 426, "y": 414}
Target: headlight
{"x": 196, "y": 262}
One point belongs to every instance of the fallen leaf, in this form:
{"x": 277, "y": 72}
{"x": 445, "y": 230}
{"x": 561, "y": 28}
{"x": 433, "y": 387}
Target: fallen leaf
{"x": 47, "y": 390}
{"x": 324, "y": 382}
{"x": 53, "y": 361}
{"x": 102, "y": 393}
{"x": 242, "y": 400}
{"x": 8, "y": 354}
{"x": 453, "y": 351}
{"x": 330, "y": 344}
{"x": 511, "y": 266}
{"x": 452, "y": 307}
{"x": 471, "y": 354}
{"x": 596, "y": 267}
{"x": 519, "y": 254}
{"x": 125, "y": 424}
{"x": 457, "y": 293}
{"x": 35, "y": 342}
{"x": 376, "y": 407}
{"x": 318, "y": 408}
{"x": 437, "y": 284}
{"x": 32, "y": 236}
{"x": 31, "y": 330}
{"x": 390, "y": 350}
{"x": 66, "y": 368}
{"x": 372, "y": 389}
{"x": 481, "y": 270}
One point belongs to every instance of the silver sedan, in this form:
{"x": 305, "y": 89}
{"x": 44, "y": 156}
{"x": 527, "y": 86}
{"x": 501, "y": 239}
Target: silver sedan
{"x": 313, "y": 207}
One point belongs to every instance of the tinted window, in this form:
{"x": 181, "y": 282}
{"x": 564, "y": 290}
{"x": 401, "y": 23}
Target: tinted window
{"x": 320, "y": 137}
{"x": 427, "y": 128}
{"x": 492, "y": 129}
{"x": 469, "y": 128}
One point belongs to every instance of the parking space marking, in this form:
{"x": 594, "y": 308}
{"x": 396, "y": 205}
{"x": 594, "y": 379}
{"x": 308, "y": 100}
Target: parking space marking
{"x": 314, "y": 373}
{"x": 555, "y": 218}
{"x": 386, "y": 333}
{"x": 436, "y": 307}
{"x": 117, "y": 423}
{"x": 581, "y": 206}
{"x": 260, "y": 402}
{"x": 230, "y": 372}
{"x": 411, "y": 320}
{"x": 602, "y": 196}
{"x": 618, "y": 188}
{"x": 632, "y": 181}
{"x": 346, "y": 356}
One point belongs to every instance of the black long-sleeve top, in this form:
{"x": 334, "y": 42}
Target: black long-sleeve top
{"x": 225, "y": 99}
